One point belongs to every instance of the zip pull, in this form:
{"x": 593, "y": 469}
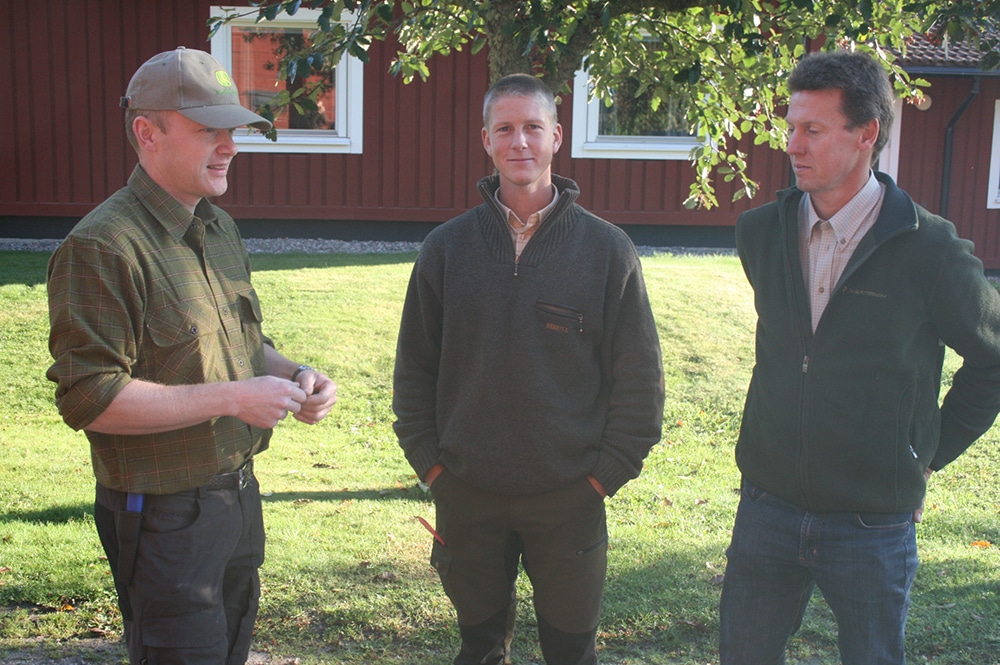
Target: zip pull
{"x": 805, "y": 364}
{"x": 517, "y": 259}
{"x": 579, "y": 320}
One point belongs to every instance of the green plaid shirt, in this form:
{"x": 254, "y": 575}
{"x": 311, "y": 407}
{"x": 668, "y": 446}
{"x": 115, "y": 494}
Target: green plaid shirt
{"x": 143, "y": 289}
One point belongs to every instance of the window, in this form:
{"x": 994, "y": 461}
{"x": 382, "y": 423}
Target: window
{"x": 993, "y": 198}
{"x": 600, "y": 132}
{"x": 888, "y": 159}
{"x": 251, "y": 51}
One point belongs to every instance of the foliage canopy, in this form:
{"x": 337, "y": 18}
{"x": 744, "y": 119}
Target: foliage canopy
{"x": 731, "y": 57}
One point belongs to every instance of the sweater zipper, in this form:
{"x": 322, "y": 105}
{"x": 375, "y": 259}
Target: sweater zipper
{"x": 517, "y": 260}
{"x": 805, "y": 364}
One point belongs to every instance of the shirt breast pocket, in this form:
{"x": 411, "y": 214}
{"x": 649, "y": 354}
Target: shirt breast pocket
{"x": 183, "y": 343}
{"x": 251, "y": 317}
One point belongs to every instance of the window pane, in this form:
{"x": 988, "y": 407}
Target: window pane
{"x": 256, "y": 53}
{"x": 630, "y": 115}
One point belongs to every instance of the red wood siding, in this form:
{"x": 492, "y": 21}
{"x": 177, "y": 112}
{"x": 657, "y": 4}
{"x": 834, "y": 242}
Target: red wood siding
{"x": 921, "y": 163}
{"x": 422, "y": 152}
{"x": 67, "y": 62}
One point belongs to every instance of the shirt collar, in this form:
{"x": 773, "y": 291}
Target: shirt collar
{"x": 542, "y": 214}
{"x": 846, "y": 221}
{"x": 167, "y": 210}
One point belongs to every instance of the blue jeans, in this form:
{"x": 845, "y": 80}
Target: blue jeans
{"x": 863, "y": 563}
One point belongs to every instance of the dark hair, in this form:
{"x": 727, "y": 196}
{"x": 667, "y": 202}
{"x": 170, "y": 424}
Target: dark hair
{"x": 521, "y": 85}
{"x": 864, "y": 84}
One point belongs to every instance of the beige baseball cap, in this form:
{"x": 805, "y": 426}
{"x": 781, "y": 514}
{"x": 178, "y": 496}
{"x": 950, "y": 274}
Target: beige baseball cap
{"x": 195, "y": 84}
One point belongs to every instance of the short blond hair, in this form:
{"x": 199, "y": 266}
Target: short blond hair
{"x": 158, "y": 118}
{"x": 521, "y": 85}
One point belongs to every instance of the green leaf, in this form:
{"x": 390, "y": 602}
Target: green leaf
{"x": 269, "y": 12}
{"x": 326, "y": 19}
{"x": 384, "y": 10}
{"x": 359, "y": 52}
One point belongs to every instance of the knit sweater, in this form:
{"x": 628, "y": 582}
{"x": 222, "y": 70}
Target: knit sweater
{"x": 523, "y": 375}
{"x": 847, "y": 418}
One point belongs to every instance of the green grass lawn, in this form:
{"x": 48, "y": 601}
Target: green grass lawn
{"x": 347, "y": 579}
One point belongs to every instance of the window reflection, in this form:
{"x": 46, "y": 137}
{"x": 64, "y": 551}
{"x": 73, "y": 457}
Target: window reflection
{"x": 257, "y": 51}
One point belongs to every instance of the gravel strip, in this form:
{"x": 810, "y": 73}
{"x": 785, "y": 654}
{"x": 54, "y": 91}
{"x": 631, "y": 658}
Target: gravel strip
{"x": 257, "y": 246}
{"x": 322, "y": 246}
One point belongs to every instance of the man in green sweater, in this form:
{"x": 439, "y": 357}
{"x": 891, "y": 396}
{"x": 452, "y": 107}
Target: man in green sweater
{"x": 857, "y": 291}
{"x": 528, "y": 386}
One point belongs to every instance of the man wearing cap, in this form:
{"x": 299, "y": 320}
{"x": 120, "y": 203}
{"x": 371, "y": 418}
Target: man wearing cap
{"x": 160, "y": 359}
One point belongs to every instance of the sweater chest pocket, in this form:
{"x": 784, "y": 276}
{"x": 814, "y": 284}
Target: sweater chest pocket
{"x": 558, "y": 318}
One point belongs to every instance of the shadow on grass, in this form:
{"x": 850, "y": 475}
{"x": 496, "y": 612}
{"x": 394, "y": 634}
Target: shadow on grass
{"x": 660, "y": 609}
{"x": 339, "y": 496}
{"x": 58, "y": 514}
{"x": 658, "y": 612}
{"x": 955, "y": 611}
{"x": 954, "y": 523}
{"x": 63, "y": 514}
{"x": 26, "y": 268}
{"x": 40, "y": 651}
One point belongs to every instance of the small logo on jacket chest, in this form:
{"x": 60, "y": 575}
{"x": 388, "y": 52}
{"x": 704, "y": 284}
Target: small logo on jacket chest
{"x": 864, "y": 292}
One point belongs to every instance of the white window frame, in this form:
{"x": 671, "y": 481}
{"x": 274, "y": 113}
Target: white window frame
{"x": 587, "y": 143}
{"x": 993, "y": 192}
{"x": 888, "y": 159}
{"x": 349, "y": 75}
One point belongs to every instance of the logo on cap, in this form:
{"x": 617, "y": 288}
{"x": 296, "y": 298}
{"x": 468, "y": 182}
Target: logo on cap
{"x": 223, "y": 78}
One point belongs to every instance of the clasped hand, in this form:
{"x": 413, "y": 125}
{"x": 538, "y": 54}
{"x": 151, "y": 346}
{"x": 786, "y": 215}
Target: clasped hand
{"x": 263, "y": 401}
{"x": 321, "y": 395}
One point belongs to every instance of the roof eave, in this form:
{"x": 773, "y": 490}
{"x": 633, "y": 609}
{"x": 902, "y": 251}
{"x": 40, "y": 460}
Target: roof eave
{"x": 931, "y": 70}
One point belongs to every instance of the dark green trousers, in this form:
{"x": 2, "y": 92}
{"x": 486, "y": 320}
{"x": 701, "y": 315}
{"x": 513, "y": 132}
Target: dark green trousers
{"x": 193, "y": 592}
{"x": 561, "y": 540}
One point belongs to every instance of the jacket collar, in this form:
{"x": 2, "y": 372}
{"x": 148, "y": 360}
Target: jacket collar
{"x": 558, "y": 223}
{"x": 898, "y": 213}
{"x": 568, "y": 193}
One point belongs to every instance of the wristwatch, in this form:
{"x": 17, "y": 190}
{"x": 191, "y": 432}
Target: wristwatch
{"x": 299, "y": 370}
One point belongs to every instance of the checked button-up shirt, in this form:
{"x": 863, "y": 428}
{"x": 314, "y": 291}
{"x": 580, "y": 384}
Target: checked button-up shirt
{"x": 143, "y": 289}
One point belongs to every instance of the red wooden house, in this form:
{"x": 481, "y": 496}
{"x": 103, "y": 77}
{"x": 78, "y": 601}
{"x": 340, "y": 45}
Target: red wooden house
{"x": 388, "y": 160}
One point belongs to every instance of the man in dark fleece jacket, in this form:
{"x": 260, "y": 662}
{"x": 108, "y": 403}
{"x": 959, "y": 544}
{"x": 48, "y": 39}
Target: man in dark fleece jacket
{"x": 858, "y": 290}
{"x": 528, "y": 386}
